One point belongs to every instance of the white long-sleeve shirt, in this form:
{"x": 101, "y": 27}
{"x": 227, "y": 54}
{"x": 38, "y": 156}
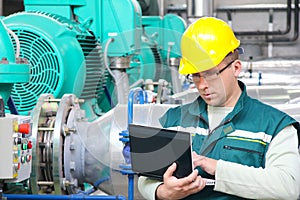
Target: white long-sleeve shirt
{"x": 280, "y": 179}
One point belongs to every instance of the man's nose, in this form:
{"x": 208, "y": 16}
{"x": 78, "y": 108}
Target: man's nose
{"x": 202, "y": 83}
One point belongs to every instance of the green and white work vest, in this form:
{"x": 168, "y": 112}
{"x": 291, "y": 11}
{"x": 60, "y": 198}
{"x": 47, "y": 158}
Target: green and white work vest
{"x": 242, "y": 137}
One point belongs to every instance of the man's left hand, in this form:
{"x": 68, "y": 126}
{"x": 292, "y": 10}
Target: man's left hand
{"x": 207, "y": 164}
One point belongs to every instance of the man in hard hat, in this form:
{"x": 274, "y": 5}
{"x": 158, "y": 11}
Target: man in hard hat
{"x": 249, "y": 148}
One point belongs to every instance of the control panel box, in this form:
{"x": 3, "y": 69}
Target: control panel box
{"x": 15, "y": 148}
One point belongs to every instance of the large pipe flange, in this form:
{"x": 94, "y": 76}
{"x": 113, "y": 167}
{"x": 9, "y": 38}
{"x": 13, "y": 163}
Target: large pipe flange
{"x": 49, "y": 129}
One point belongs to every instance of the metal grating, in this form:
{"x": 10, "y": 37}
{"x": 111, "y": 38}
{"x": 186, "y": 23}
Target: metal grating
{"x": 95, "y": 70}
{"x": 45, "y": 70}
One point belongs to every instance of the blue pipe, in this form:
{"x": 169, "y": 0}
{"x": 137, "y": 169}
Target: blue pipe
{"x": 259, "y": 78}
{"x": 101, "y": 180}
{"x": 59, "y": 197}
{"x": 131, "y": 186}
{"x": 131, "y": 101}
{"x": 141, "y": 99}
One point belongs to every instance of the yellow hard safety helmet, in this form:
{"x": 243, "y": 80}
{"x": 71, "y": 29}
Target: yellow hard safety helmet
{"x": 205, "y": 43}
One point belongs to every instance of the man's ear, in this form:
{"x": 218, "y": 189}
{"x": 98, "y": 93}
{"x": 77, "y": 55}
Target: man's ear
{"x": 237, "y": 67}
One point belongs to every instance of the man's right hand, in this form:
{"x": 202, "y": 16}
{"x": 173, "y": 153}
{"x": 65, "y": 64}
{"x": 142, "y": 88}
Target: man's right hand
{"x": 174, "y": 188}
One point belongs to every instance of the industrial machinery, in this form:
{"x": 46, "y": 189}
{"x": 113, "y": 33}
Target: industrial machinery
{"x": 85, "y": 57}
{"x": 15, "y": 138}
{"x": 101, "y": 40}
{"x": 66, "y": 51}
{"x": 24, "y": 137}
{"x": 162, "y": 35}
{"x": 72, "y": 58}
{"x": 63, "y": 41}
{"x": 63, "y": 161}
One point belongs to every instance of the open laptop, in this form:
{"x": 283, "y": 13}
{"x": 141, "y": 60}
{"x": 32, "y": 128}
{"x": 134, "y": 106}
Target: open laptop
{"x": 153, "y": 150}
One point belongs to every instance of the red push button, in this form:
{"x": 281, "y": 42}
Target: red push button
{"x": 29, "y": 145}
{"x": 24, "y": 128}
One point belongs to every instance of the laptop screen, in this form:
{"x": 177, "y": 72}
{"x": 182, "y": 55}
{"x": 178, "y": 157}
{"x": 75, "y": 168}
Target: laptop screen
{"x": 153, "y": 150}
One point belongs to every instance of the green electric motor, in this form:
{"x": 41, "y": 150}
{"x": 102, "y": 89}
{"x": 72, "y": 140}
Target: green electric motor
{"x": 65, "y": 58}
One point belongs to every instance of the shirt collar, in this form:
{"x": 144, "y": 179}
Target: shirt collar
{"x": 199, "y": 107}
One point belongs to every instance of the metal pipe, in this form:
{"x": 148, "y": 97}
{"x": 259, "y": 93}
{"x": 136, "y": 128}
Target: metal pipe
{"x": 106, "y": 64}
{"x": 1, "y": 8}
{"x": 199, "y": 8}
{"x": 296, "y": 27}
{"x": 270, "y": 28}
{"x": 59, "y": 197}
{"x": 193, "y": 8}
{"x": 161, "y": 7}
{"x": 121, "y": 85}
{"x": 272, "y": 33}
{"x": 280, "y": 32}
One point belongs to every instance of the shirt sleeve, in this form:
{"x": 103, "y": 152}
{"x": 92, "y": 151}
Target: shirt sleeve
{"x": 280, "y": 179}
{"x": 147, "y": 187}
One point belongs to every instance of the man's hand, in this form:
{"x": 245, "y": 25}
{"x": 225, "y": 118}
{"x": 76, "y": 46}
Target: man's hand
{"x": 207, "y": 164}
{"x": 174, "y": 188}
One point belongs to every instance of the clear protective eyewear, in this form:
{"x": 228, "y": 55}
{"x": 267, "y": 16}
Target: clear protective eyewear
{"x": 207, "y": 76}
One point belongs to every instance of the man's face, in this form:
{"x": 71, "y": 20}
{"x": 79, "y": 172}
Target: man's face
{"x": 217, "y": 86}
